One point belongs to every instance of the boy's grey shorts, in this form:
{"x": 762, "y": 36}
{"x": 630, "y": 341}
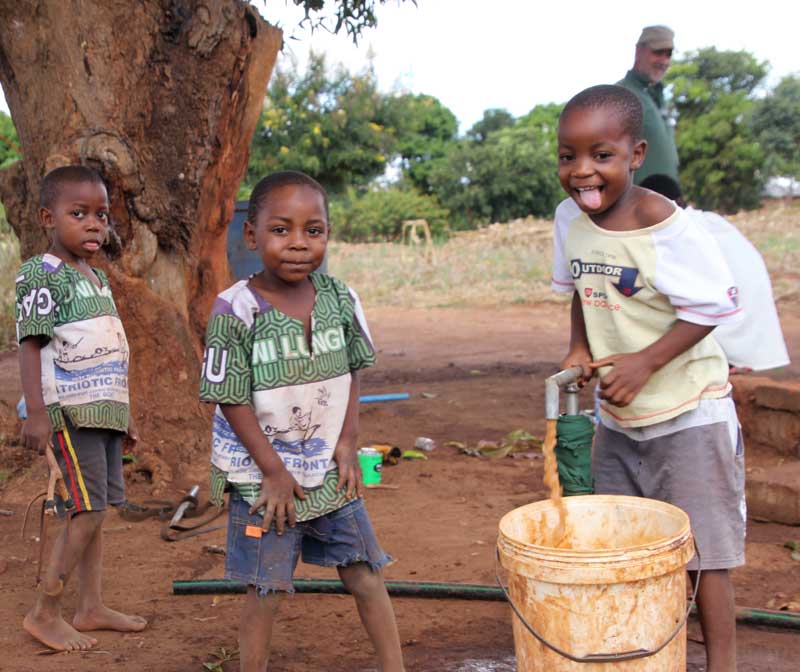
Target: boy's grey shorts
{"x": 697, "y": 469}
{"x": 91, "y": 463}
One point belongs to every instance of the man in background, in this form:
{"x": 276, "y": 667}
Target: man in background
{"x": 653, "y": 55}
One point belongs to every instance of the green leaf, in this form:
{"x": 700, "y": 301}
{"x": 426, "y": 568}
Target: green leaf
{"x": 497, "y": 453}
{"x": 519, "y": 435}
{"x": 414, "y": 455}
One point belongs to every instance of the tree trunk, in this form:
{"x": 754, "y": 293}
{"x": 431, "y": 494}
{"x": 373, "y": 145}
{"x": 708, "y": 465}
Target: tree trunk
{"x": 162, "y": 97}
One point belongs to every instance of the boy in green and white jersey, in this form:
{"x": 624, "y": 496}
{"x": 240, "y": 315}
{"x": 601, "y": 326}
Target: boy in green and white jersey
{"x": 283, "y": 351}
{"x": 74, "y": 367}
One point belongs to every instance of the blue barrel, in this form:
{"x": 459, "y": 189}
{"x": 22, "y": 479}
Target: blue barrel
{"x": 245, "y": 262}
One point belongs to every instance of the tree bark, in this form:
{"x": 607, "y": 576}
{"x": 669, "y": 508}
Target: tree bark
{"x": 162, "y": 97}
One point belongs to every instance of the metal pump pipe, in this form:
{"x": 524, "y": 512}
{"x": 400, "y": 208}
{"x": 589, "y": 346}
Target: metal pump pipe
{"x": 567, "y": 379}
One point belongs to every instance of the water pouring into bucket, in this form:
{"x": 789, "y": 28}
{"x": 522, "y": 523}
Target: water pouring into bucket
{"x": 596, "y": 582}
{"x": 567, "y": 447}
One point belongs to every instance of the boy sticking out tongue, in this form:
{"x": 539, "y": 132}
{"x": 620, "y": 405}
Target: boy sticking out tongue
{"x": 648, "y": 286}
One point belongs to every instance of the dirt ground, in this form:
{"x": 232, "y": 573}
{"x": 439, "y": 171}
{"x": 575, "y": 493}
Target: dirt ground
{"x": 482, "y": 374}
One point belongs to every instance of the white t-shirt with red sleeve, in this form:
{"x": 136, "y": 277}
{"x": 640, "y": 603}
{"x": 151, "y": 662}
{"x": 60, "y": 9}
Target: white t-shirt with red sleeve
{"x": 757, "y": 342}
{"x": 633, "y": 287}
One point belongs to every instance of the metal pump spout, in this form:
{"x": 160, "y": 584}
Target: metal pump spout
{"x": 567, "y": 379}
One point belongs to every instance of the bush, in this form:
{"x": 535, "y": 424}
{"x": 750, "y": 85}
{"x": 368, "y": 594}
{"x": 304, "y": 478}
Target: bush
{"x": 512, "y": 174}
{"x": 721, "y": 160}
{"x": 776, "y": 123}
{"x": 9, "y": 263}
{"x": 378, "y": 214}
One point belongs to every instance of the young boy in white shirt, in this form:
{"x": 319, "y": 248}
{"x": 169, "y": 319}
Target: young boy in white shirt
{"x": 649, "y": 285}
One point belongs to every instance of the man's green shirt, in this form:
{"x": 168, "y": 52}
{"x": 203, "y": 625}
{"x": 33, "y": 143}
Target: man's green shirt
{"x": 662, "y": 154}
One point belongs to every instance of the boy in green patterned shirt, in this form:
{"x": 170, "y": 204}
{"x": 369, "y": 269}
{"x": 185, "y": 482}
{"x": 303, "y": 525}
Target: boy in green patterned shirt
{"x": 282, "y": 353}
{"x": 74, "y": 367}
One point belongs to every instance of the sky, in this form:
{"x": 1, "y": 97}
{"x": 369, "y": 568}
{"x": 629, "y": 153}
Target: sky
{"x": 514, "y": 54}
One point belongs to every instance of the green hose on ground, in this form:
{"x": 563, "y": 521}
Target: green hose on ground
{"x": 441, "y": 590}
{"x": 574, "y": 434}
{"x": 430, "y": 589}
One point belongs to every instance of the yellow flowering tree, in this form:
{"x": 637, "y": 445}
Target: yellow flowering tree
{"x": 329, "y": 123}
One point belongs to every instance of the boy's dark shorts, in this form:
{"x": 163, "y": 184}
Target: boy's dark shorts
{"x": 91, "y": 464}
{"x": 699, "y": 469}
{"x": 337, "y": 539}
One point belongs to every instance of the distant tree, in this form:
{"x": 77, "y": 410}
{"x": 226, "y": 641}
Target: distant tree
{"x": 544, "y": 118}
{"x": 776, "y": 123}
{"x": 9, "y": 142}
{"x": 701, "y": 77}
{"x": 513, "y": 173}
{"x": 423, "y": 128}
{"x": 721, "y": 160}
{"x": 378, "y": 214}
{"x": 327, "y": 123}
{"x": 492, "y": 120}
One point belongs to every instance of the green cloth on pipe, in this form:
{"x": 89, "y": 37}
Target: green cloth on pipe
{"x": 574, "y": 435}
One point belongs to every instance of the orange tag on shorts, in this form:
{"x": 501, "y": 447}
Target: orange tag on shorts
{"x": 253, "y": 531}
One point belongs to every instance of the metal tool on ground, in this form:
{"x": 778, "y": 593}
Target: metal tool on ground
{"x": 150, "y": 508}
{"x": 574, "y": 433}
{"x": 176, "y": 530}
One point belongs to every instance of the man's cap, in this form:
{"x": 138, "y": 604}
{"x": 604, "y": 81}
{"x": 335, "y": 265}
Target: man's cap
{"x": 657, "y": 37}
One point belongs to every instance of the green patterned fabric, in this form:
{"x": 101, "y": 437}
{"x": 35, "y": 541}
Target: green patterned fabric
{"x": 85, "y": 354}
{"x": 103, "y": 414}
{"x": 326, "y": 498}
{"x": 258, "y": 356}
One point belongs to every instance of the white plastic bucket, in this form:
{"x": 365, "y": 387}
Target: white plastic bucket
{"x": 614, "y": 592}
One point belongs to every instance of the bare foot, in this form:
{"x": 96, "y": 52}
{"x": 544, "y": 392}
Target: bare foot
{"x": 56, "y": 633}
{"x": 104, "y": 618}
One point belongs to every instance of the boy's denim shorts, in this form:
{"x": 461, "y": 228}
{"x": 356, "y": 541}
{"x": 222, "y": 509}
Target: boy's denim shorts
{"x": 337, "y": 539}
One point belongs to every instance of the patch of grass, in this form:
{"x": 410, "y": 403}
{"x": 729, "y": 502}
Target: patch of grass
{"x": 5, "y": 474}
{"x": 775, "y": 231}
{"x": 499, "y": 264}
{"x": 505, "y": 264}
{"x": 220, "y": 658}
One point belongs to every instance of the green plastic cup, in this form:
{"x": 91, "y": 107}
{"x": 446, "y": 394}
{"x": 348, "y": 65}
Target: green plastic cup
{"x": 371, "y": 462}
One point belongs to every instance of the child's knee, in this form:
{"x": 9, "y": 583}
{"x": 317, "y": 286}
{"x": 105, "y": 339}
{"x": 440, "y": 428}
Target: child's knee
{"x": 262, "y": 602}
{"x": 361, "y": 580}
{"x": 88, "y": 521}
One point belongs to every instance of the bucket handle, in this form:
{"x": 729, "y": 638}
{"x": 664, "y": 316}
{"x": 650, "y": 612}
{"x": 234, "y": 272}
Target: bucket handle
{"x": 601, "y": 657}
